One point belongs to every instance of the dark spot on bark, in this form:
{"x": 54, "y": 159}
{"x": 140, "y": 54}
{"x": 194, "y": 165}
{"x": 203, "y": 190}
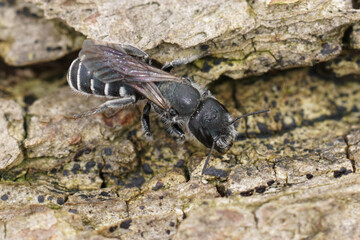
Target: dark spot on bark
{"x": 73, "y": 210}
{"x": 161, "y": 197}
{"x": 277, "y": 117}
{"x": 171, "y": 224}
{"x": 212, "y": 171}
{"x": 337, "y": 174}
{"x": 340, "y": 111}
{"x": 142, "y": 207}
{"x": 108, "y": 151}
{"x": 309, "y": 176}
{"x": 230, "y": 64}
{"x": 263, "y": 128}
{"x": 217, "y": 61}
{"x": 180, "y": 163}
{"x": 53, "y": 171}
{"x": 273, "y": 103}
{"x": 87, "y": 150}
{"x": 105, "y": 194}
{"x": 344, "y": 171}
{"x": 90, "y": 165}
{"x": 135, "y": 182}
{"x": 158, "y": 185}
{"x": 30, "y": 99}
{"x": 328, "y": 49}
{"x": 41, "y": 198}
{"x": 271, "y": 182}
{"x": 247, "y": 193}
{"x": 77, "y": 155}
{"x": 50, "y": 198}
{"x": 66, "y": 173}
{"x": 260, "y": 189}
{"x": 247, "y": 71}
{"x": 168, "y": 232}
{"x": 99, "y": 165}
{"x": 206, "y": 67}
{"x": 75, "y": 168}
{"x": 112, "y": 229}
{"x": 4, "y": 197}
{"x": 83, "y": 196}
{"x": 51, "y": 49}
{"x": 147, "y": 169}
{"x": 11, "y": 2}
{"x": 125, "y": 224}
{"x": 204, "y": 47}
{"x": 60, "y": 201}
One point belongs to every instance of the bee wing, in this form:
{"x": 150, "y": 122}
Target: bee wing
{"x": 151, "y": 92}
{"x": 110, "y": 63}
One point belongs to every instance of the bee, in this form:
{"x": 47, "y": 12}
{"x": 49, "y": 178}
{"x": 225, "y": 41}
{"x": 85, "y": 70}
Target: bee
{"x": 124, "y": 74}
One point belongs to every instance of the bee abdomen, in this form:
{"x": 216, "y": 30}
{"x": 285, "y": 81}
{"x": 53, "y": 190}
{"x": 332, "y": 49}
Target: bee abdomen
{"x": 83, "y": 81}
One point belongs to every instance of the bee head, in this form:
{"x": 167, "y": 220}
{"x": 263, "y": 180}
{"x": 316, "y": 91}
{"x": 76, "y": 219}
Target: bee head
{"x": 211, "y": 124}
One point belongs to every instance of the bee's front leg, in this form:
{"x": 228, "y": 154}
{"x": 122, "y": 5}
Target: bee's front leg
{"x": 145, "y": 120}
{"x": 176, "y": 131}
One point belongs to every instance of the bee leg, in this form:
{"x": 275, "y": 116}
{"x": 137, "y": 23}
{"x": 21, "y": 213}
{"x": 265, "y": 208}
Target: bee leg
{"x": 134, "y": 51}
{"x": 176, "y": 130}
{"x": 145, "y": 120}
{"x": 116, "y": 103}
{"x": 183, "y": 61}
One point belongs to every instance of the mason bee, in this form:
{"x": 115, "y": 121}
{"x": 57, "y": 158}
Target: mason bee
{"x": 124, "y": 74}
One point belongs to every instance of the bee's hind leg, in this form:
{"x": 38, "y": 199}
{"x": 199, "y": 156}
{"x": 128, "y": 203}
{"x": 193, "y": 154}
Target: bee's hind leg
{"x": 134, "y": 51}
{"x": 183, "y": 61}
{"x": 115, "y": 104}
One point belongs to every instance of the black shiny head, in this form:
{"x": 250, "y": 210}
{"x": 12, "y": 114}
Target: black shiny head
{"x": 213, "y": 126}
{"x": 212, "y": 122}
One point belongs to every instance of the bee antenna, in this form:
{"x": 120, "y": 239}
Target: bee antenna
{"x": 209, "y": 155}
{"x": 248, "y": 114}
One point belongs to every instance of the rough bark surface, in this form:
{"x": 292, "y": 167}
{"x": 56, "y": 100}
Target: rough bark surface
{"x": 240, "y": 38}
{"x": 292, "y": 173}
{"x": 26, "y": 37}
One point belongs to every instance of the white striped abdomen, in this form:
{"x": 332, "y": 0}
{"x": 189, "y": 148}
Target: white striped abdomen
{"x": 82, "y": 80}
